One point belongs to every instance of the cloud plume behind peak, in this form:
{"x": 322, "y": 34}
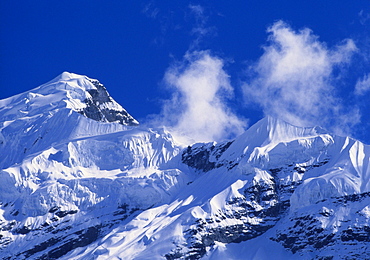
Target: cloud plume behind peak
{"x": 293, "y": 79}
{"x": 198, "y": 109}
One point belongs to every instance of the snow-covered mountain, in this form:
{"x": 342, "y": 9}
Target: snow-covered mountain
{"x": 80, "y": 179}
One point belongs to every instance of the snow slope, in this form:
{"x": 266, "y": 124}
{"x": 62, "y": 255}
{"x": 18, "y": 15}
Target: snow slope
{"x": 81, "y": 180}
{"x": 53, "y": 113}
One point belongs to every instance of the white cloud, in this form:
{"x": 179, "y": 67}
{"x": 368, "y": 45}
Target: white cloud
{"x": 198, "y": 111}
{"x": 364, "y": 17}
{"x": 293, "y": 79}
{"x": 363, "y": 85}
{"x": 150, "y": 10}
{"x": 200, "y": 29}
{"x": 200, "y": 20}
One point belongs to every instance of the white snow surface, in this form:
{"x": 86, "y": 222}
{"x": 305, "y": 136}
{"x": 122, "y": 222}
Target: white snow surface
{"x": 49, "y": 114}
{"x": 52, "y": 157}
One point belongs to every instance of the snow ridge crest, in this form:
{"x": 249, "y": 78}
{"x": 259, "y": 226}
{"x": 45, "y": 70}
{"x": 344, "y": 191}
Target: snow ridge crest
{"x": 68, "y": 90}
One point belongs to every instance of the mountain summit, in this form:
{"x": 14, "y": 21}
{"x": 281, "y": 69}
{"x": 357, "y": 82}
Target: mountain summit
{"x": 75, "y": 92}
{"x": 80, "y": 179}
{"x": 59, "y": 110}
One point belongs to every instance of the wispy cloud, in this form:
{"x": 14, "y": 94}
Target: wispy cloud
{"x": 200, "y": 28}
{"x": 150, "y": 10}
{"x": 362, "y": 85}
{"x": 198, "y": 109}
{"x": 293, "y": 79}
{"x": 364, "y": 17}
{"x": 201, "y": 19}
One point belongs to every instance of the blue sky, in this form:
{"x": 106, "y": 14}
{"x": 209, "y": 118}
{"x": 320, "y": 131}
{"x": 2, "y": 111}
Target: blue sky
{"x": 219, "y": 65}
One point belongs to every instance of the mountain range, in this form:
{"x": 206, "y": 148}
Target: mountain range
{"x": 82, "y": 179}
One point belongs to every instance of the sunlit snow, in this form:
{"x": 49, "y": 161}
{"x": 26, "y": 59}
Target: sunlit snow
{"x": 136, "y": 196}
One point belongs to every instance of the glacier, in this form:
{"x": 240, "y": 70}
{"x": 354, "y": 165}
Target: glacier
{"x": 81, "y": 179}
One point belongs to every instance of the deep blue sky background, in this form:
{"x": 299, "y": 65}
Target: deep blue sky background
{"x": 128, "y": 45}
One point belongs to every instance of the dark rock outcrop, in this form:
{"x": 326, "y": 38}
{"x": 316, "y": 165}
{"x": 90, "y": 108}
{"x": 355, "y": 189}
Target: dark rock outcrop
{"x": 98, "y": 107}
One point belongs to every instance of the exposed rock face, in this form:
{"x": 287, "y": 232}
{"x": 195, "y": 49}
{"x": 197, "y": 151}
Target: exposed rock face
{"x": 311, "y": 230}
{"x": 101, "y": 107}
{"x": 60, "y": 235}
{"x": 259, "y": 206}
{"x": 205, "y": 157}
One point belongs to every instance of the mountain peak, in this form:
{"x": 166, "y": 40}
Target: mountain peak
{"x": 68, "y": 75}
{"x": 270, "y": 131}
{"x": 68, "y": 90}
{"x": 277, "y": 130}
